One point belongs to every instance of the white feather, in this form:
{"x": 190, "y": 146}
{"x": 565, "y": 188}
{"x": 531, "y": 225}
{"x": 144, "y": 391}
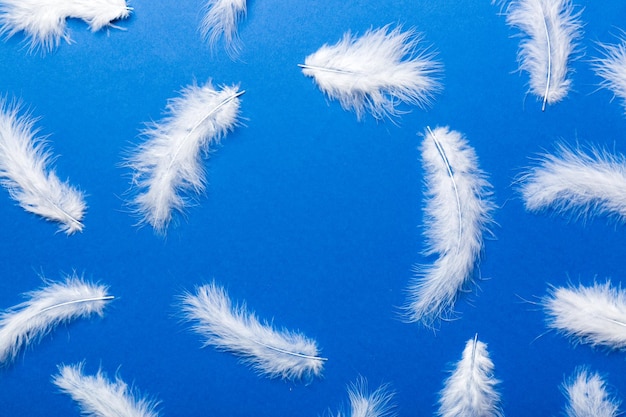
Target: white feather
{"x": 375, "y": 72}
{"x": 168, "y": 164}
{"x": 97, "y": 396}
{"x": 25, "y": 174}
{"x": 220, "y": 20}
{"x": 43, "y": 21}
{"x": 595, "y": 315}
{"x": 47, "y": 307}
{"x": 587, "y": 397}
{"x": 275, "y": 353}
{"x": 457, "y": 213}
{"x": 612, "y": 68}
{"x": 471, "y": 389}
{"x": 551, "y": 29}
{"x": 366, "y": 404}
{"x": 570, "y": 180}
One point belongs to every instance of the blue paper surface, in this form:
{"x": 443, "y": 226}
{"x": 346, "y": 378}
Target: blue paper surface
{"x": 312, "y": 218}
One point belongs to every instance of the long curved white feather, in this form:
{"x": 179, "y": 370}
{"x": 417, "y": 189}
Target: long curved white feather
{"x": 168, "y": 164}
{"x": 611, "y": 67}
{"x": 47, "y": 307}
{"x": 25, "y": 174}
{"x": 97, "y": 396}
{"x": 369, "y": 404}
{"x": 271, "y": 352}
{"x": 551, "y": 29}
{"x": 570, "y": 180}
{"x": 375, "y": 72}
{"x": 595, "y": 315}
{"x": 457, "y": 215}
{"x": 43, "y": 21}
{"x": 220, "y": 20}
{"x": 470, "y": 391}
{"x": 587, "y": 396}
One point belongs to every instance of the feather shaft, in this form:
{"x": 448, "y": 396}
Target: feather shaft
{"x": 587, "y": 396}
{"x": 284, "y": 353}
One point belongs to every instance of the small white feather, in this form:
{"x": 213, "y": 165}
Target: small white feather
{"x": 570, "y": 180}
{"x": 47, "y": 307}
{"x": 168, "y": 165}
{"x": 551, "y": 29}
{"x": 25, "y": 174}
{"x": 612, "y": 68}
{"x": 97, "y": 396}
{"x": 587, "y": 396}
{"x": 220, "y": 20}
{"x": 457, "y": 214}
{"x": 369, "y": 404}
{"x": 43, "y": 21}
{"x": 595, "y": 315}
{"x": 275, "y": 353}
{"x": 471, "y": 389}
{"x": 375, "y": 72}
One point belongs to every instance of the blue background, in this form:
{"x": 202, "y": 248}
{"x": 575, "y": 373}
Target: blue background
{"x": 311, "y": 217}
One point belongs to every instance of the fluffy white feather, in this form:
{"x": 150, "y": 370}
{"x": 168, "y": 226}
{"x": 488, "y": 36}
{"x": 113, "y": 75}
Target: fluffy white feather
{"x": 168, "y": 165}
{"x": 220, "y": 20}
{"x": 24, "y": 172}
{"x": 595, "y": 315}
{"x": 550, "y": 29}
{"x": 570, "y": 180}
{"x": 275, "y": 353}
{"x": 587, "y": 396}
{"x": 457, "y": 214}
{"x": 471, "y": 389}
{"x": 375, "y": 72}
{"x": 369, "y": 404}
{"x": 611, "y": 67}
{"x": 97, "y": 396}
{"x": 43, "y": 21}
{"x": 45, "y": 308}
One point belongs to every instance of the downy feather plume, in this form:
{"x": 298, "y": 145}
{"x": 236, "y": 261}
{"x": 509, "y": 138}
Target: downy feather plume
{"x": 275, "y": 353}
{"x": 97, "y": 396}
{"x": 471, "y": 389}
{"x": 570, "y": 180}
{"x": 168, "y": 165}
{"x": 587, "y": 396}
{"x": 24, "y": 172}
{"x": 457, "y": 213}
{"x": 550, "y": 29}
{"x": 221, "y": 20}
{"x": 612, "y": 68}
{"x": 366, "y": 404}
{"x": 595, "y": 315}
{"x": 43, "y": 21}
{"x": 375, "y": 72}
{"x": 45, "y": 308}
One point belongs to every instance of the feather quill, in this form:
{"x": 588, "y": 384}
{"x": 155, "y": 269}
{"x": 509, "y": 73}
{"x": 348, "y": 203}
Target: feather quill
{"x": 24, "y": 172}
{"x": 375, "y": 72}
{"x": 220, "y": 20}
{"x": 570, "y": 180}
{"x": 595, "y": 315}
{"x": 97, "y": 396}
{"x": 43, "y": 21}
{"x": 284, "y": 353}
{"x": 457, "y": 214}
{"x": 551, "y": 29}
{"x": 47, "y": 307}
{"x": 587, "y": 396}
{"x": 470, "y": 391}
{"x": 611, "y": 67}
{"x": 168, "y": 164}
{"x": 369, "y": 404}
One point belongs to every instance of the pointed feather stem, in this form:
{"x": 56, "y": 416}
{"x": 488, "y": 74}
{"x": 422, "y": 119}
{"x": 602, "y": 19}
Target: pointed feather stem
{"x": 549, "y": 75}
{"x": 82, "y": 300}
{"x": 287, "y": 352}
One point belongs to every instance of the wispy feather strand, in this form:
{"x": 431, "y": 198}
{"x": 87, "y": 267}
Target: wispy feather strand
{"x": 369, "y": 404}
{"x": 587, "y": 396}
{"x": 24, "y": 172}
{"x": 611, "y": 67}
{"x": 220, "y": 20}
{"x": 271, "y": 352}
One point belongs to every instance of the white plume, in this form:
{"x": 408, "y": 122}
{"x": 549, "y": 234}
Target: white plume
{"x": 369, "y": 404}
{"x": 587, "y": 396}
{"x": 220, "y": 20}
{"x": 611, "y": 67}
